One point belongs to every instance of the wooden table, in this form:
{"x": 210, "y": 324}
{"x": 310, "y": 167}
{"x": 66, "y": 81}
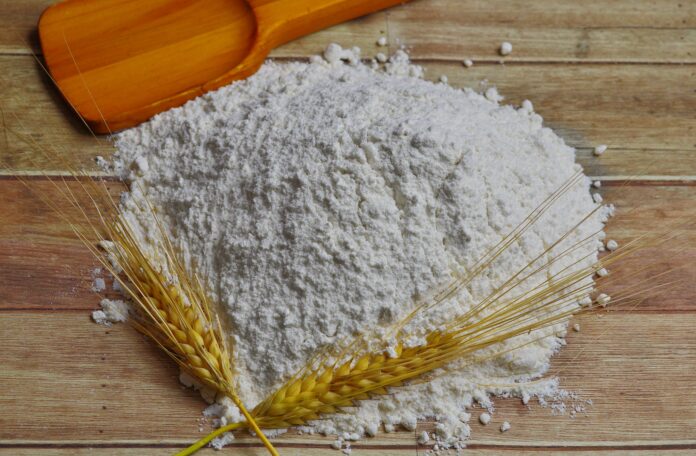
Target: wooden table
{"x": 620, "y": 72}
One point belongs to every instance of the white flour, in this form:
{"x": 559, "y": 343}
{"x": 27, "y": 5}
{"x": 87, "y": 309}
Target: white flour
{"x": 321, "y": 199}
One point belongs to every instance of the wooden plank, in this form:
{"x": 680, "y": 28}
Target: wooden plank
{"x": 45, "y": 267}
{"x": 33, "y": 107}
{"x": 167, "y": 451}
{"x": 19, "y": 19}
{"x": 565, "y": 31}
{"x": 71, "y": 377}
{"x": 75, "y": 381}
{"x": 637, "y": 107}
{"x": 359, "y": 450}
{"x": 625, "y": 30}
{"x": 644, "y": 113}
{"x": 18, "y": 24}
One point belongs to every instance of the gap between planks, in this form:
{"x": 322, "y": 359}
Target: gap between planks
{"x": 471, "y": 444}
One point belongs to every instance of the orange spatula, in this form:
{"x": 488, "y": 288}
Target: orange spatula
{"x": 119, "y": 62}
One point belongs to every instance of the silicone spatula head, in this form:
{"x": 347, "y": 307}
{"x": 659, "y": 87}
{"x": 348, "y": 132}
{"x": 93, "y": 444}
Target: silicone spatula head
{"x": 119, "y": 62}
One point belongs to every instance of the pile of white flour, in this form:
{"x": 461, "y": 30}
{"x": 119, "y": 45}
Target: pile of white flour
{"x": 321, "y": 199}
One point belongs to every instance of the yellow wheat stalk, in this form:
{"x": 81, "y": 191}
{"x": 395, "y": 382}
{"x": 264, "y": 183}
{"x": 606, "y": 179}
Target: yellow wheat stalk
{"x": 175, "y": 312}
{"x": 173, "y": 307}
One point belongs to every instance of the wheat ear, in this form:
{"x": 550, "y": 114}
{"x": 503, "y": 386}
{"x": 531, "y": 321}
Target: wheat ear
{"x": 176, "y": 313}
{"x": 173, "y": 307}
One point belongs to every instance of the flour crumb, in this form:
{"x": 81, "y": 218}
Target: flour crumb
{"x": 423, "y": 438}
{"x": 101, "y": 162}
{"x": 597, "y": 197}
{"x": 112, "y": 311}
{"x": 468, "y": 63}
{"x": 505, "y": 426}
{"x": 444, "y": 79}
{"x": 485, "y": 418}
{"x": 220, "y": 442}
{"x": 505, "y": 48}
{"x": 576, "y": 327}
{"x": 381, "y": 57}
{"x": 599, "y": 150}
{"x": 603, "y": 299}
{"x": 334, "y": 54}
{"x": 371, "y": 429}
{"x": 492, "y": 94}
{"x": 99, "y": 285}
{"x": 597, "y": 184}
{"x": 612, "y": 245}
{"x": 382, "y": 41}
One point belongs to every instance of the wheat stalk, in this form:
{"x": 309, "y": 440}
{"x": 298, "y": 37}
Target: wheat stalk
{"x": 176, "y": 313}
{"x": 173, "y": 308}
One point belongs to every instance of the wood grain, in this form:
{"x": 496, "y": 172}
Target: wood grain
{"x": 121, "y": 389}
{"x": 472, "y": 450}
{"x": 566, "y": 30}
{"x": 622, "y": 30}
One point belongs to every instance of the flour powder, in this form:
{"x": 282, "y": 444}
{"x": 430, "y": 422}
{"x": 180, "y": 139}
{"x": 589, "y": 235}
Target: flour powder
{"x": 322, "y": 199}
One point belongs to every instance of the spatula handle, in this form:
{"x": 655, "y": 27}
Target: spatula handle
{"x": 280, "y": 21}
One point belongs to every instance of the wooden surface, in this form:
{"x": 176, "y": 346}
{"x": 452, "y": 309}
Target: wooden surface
{"x": 621, "y": 73}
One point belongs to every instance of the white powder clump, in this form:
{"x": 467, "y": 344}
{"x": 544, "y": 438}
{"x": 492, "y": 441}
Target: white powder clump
{"x": 492, "y": 94}
{"x": 423, "y": 438}
{"x": 112, "y": 311}
{"x": 485, "y": 418}
{"x": 505, "y": 48}
{"x": 322, "y": 199}
{"x": 99, "y": 284}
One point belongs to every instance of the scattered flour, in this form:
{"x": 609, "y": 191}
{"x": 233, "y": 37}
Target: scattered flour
{"x": 485, "y": 418}
{"x": 99, "y": 285}
{"x": 321, "y": 199}
{"x": 505, "y": 48}
{"x": 112, "y": 311}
